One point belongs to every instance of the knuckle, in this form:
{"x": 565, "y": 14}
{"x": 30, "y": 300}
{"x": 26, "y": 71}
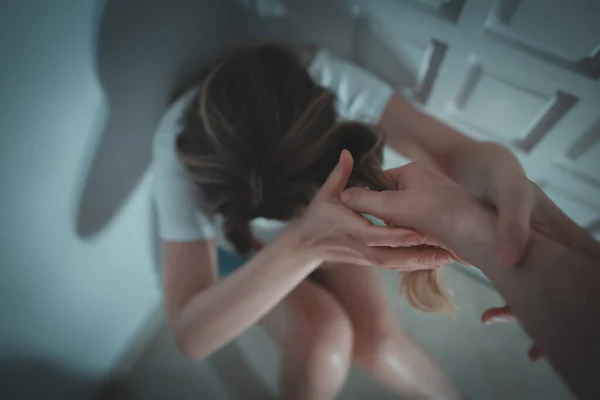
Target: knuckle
{"x": 356, "y": 197}
{"x": 388, "y": 199}
{"x": 515, "y": 190}
{"x": 382, "y": 257}
{"x": 419, "y": 260}
{"x": 423, "y": 258}
{"x": 373, "y": 256}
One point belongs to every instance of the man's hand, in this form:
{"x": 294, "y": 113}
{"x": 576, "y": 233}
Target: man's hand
{"x": 504, "y": 314}
{"x": 493, "y": 174}
{"x": 431, "y": 203}
{"x": 428, "y": 202}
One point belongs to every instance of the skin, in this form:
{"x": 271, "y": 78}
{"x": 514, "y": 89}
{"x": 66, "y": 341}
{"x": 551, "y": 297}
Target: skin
{"x": 553, "y": 293}
{"x": 488, "y": 171}
{"x": 192, "y": 288}
{"x": 493, "y": 175}
{"x": 316, "y": 333}
{"x": 381, "y": 347}
{"x": 504, "y": 314}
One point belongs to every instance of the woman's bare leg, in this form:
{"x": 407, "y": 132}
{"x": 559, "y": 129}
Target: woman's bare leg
{"x": 395, "y": 359}
{"x": 316, "y": 337}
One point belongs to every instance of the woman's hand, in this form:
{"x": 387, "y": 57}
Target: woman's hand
{"x": 333, "y": 233}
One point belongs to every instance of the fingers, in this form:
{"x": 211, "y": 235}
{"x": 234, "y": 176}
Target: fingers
{"x": 386, "y": 236}
{"x": 514, "y": 202}
{"x": 382, "y": 205}
{"x": 408, "y": 259}
{"x": 504, "y": 314}
{"x": 402, "y": 237}
{"x": 431, "y": 241}
{"x": 535, "y": 353}
{"x": 497, "y": 314}
{"x": 413, "y": 172}
{"x": 337, "y": 180}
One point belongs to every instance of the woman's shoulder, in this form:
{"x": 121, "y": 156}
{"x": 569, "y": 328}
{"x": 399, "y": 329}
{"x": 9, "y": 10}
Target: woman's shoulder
{"x": 170, "y": 124}
{"x": 165, "y": 162}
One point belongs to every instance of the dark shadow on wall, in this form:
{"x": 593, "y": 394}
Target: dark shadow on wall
{"x": 148, "y": 47}
{"x": 374, "y": 54}
{"x": 145, "y": 47}
{"x": 325, "y": 23}
{"x": 334, "y": 25}
{"x": 26, "y": 379}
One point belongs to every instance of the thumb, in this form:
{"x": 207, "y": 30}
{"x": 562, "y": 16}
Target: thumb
{"x": 338, "y": 178}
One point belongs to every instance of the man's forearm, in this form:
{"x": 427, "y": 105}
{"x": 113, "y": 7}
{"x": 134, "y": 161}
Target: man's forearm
{"x": 555, "y": 295}
{"x": 467, "y": 160}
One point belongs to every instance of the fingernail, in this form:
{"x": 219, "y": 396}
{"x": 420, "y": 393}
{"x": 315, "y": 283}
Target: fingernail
{"x": 494, "y": 320}
{"x": 442, "y": 258}
{"x": 414, "y": 240}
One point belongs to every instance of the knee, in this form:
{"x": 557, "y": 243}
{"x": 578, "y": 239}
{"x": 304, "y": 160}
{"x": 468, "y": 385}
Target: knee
{"x": 372, "y": 349}
{"x": 327, "y": 347}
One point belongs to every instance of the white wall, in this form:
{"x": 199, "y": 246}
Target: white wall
{"x": 70, "y": 302}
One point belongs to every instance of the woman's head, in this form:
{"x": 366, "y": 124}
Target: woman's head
{"x": 261, "y": 138}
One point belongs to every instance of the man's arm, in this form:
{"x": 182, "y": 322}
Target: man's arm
{"x": 486, "y": 169}
{"x": 555, "y": 295}
{"x": 554, "y": 292}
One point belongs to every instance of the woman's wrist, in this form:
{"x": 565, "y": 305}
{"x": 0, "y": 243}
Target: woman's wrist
{"x": 291, "y": 242}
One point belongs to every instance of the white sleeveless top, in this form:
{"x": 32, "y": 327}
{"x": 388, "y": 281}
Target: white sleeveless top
{"x": 360, "y": 96}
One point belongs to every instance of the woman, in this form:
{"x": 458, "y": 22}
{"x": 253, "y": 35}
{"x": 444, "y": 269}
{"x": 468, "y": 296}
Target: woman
{"x": 257, "y": 139}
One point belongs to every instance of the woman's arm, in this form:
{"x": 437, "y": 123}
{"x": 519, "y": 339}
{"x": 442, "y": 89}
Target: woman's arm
{"x": 204, "y": 314}
{"x": 420, "y": 136}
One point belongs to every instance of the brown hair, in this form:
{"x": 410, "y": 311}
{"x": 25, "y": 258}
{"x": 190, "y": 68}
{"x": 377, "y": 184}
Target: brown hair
{"x": 261, "y": 137}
